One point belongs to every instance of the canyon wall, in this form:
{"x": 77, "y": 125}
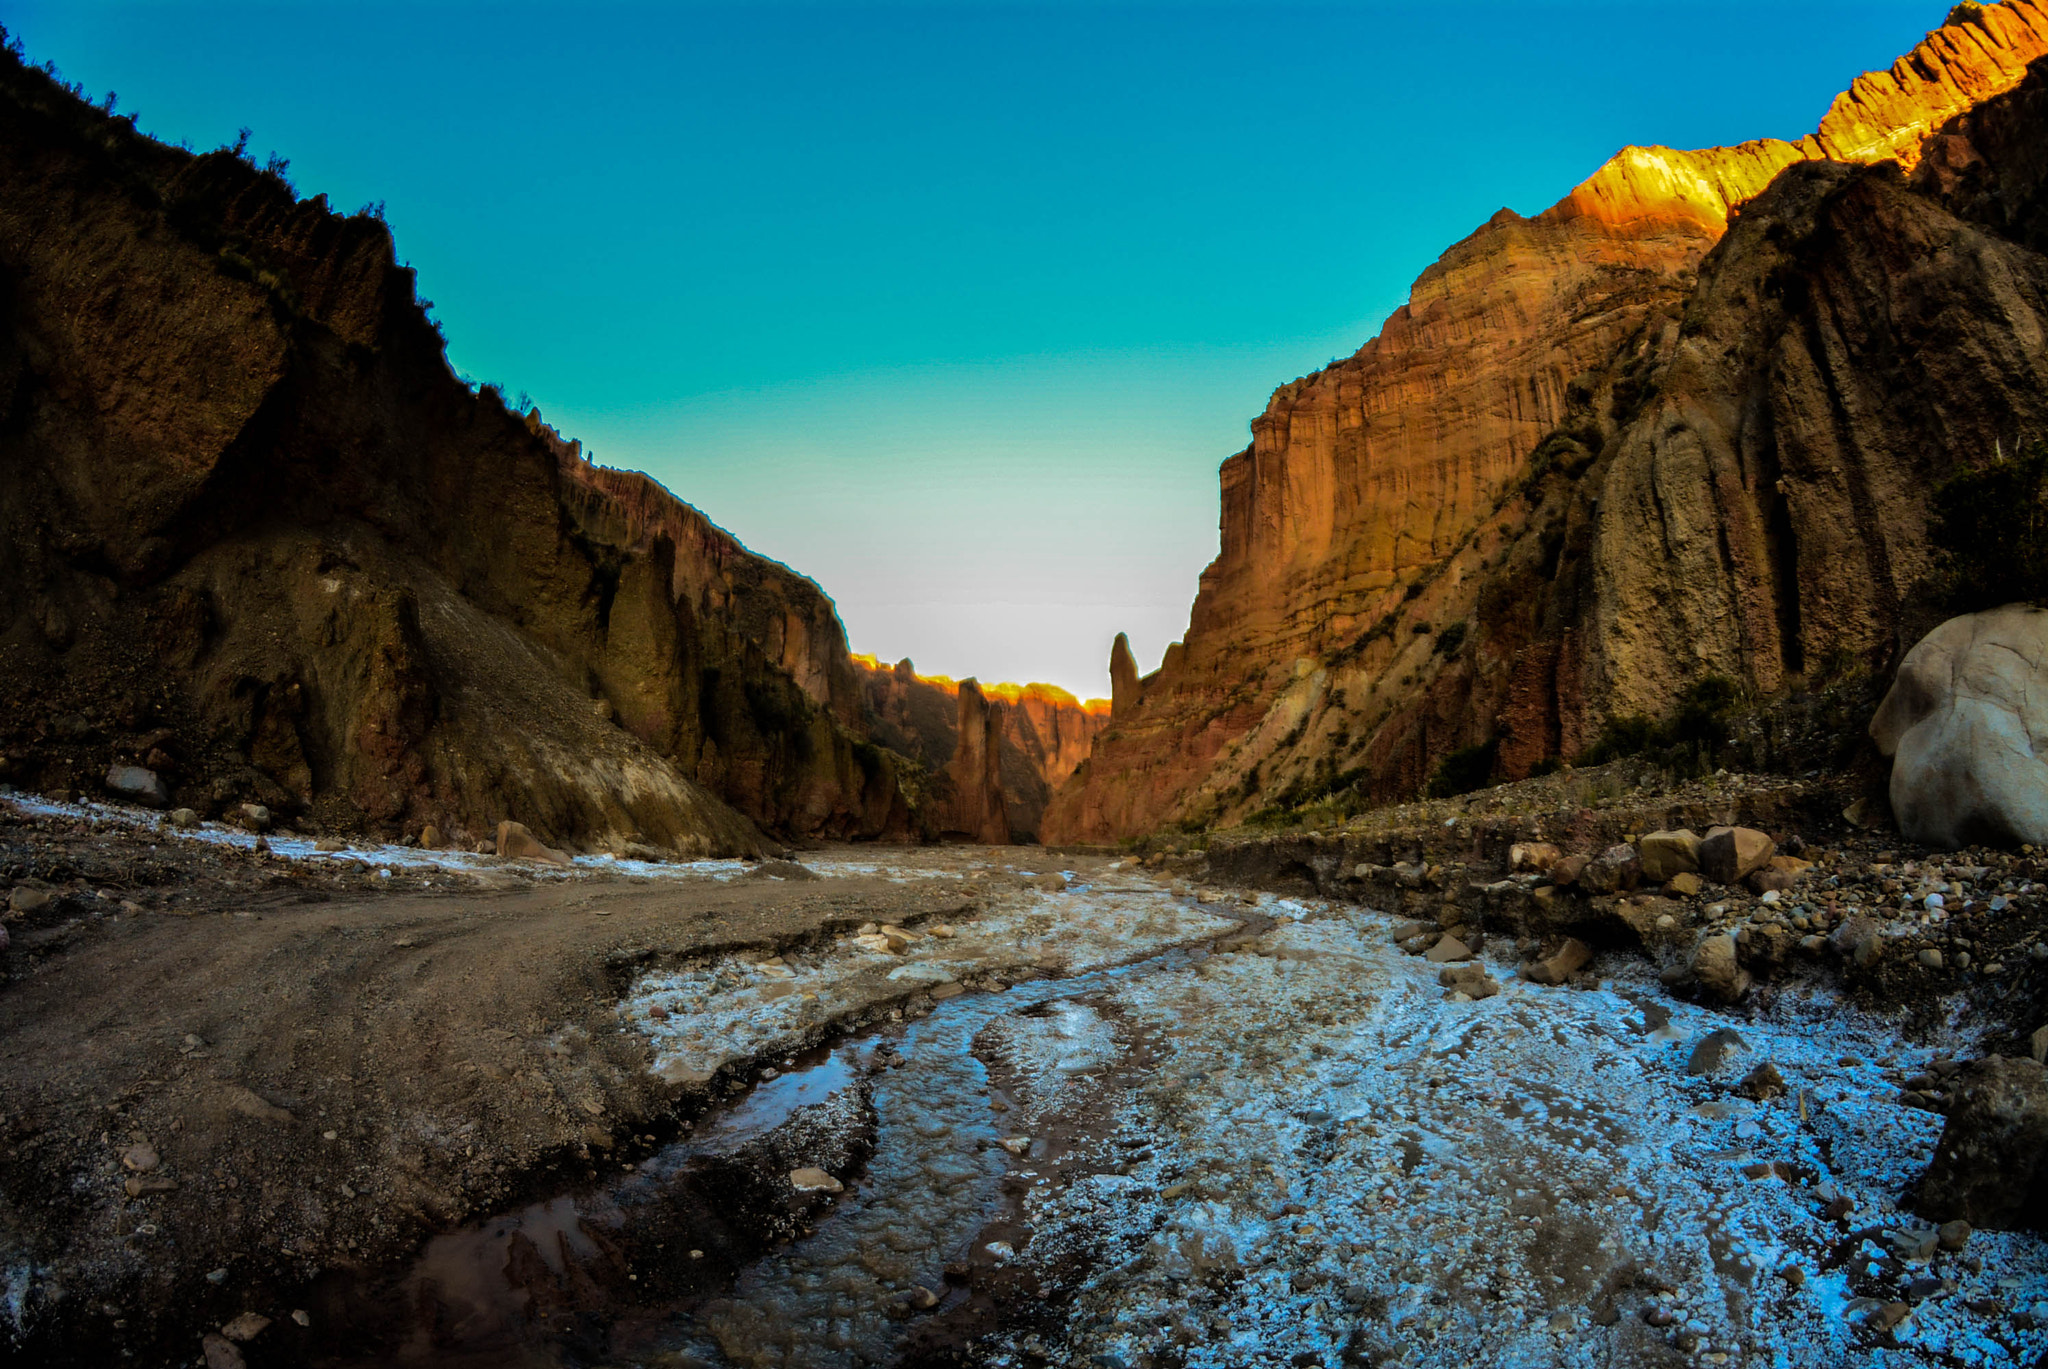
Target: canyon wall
{"x": 1045, "y": 734}
{"x": 256, "y": 535}
{"x": 1599, "y": 453}
{"x": 971, "y": 803}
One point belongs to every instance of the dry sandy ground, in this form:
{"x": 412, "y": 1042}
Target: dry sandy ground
{"x": 324, "y": 1063}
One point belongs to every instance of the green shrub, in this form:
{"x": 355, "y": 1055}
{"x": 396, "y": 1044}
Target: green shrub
{"x": 1627, "y": 734}
{"x": 1464, "y": 770}
{"x": 1990, "y": 532}
{"x": 1704, "y": 710}
{"x": 1688, "y": 741}
{"x": 1451, "y": 638}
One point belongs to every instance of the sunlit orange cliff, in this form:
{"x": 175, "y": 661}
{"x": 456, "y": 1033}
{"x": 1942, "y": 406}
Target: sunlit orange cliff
{"x": 1668, "y": 425}
{"x": 1043, "y": 732}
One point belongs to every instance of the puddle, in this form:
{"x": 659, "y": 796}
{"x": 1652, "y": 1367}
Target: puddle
{"x": 771, "y": 1103}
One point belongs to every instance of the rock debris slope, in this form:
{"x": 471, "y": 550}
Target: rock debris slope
{"x": 1684, "y": 421}
{"x": 256, "y": 538}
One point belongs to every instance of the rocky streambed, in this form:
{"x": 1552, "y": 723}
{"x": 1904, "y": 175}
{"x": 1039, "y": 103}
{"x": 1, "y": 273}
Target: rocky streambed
{"x": 1006, "y": 1108}
{"x": 1288, "y": 1142}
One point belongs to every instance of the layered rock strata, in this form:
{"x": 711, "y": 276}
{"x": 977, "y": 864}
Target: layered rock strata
{"x": 256, "y": 537}
{"x": 1605, "y": 451}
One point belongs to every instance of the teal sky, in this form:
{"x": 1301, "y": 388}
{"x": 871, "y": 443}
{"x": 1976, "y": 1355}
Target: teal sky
{"x": 952, "y": 307}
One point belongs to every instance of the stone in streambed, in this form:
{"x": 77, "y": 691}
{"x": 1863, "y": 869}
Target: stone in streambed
{"x": 27, "y": 900}
{"x": 1469, "y": 979}
{"x": 1568, "y": 959}
{"x": 246, "y": 1327}
{"x": 1858, "y": 941}
{"x": 139, "y": 785}
{"x": 246, "y": 1101}
{"x": 1713, "y": 1051}
{"x": 1763, "y": 1083}
{"x": 222, "y": 1353}
{"x": 1448, "y": 949}
{"x": 1614, "y": 870}
{"x": 812, "y": 1180}
{"x": 1990, "y": 1167}
{"x": 1715, "y": 966}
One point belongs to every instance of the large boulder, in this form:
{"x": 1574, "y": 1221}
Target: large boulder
{"x": 1990, "y": 1167}
{"x": 1728, "y": 854}
{"x": 1667, "y": 854}
{"x": 1614, "y": 870}
{"x": 138, "y": 785}
{"x": 516, "y": 842}
{"x": 1964, "y": 723}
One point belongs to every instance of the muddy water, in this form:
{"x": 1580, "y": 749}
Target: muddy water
{"x": 480, "y": 1281}
{"x": 837, "y": 1296}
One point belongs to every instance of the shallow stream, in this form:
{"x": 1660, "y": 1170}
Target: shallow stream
{"x": 1296, "y": 1151}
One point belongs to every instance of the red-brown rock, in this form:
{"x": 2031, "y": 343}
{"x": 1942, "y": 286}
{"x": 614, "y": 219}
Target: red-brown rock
{"x": 1046, "y": 732}
{"x": 1608, "y": 449}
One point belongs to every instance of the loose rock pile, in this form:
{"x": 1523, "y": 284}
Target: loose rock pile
{"x": 1730, "y": 913}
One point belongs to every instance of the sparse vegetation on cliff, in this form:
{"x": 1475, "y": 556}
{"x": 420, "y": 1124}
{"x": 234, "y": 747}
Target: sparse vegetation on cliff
{"x": 1687, "y": 743}
{"x": 1991, "y": 528}
{"x": 1464, "y": 770}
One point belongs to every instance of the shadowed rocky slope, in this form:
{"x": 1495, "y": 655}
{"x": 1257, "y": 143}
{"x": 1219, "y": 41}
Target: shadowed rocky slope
{"x": 256, "y": 536}
{"x": 1602, "y": 452}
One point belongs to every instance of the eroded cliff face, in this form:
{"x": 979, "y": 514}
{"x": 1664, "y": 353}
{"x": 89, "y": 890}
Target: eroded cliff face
{"x": 1046, "y": 732}
{"x": 255, "y": 535}
{"x": 1477, "y": 532}
{"x": 970, "y": 803}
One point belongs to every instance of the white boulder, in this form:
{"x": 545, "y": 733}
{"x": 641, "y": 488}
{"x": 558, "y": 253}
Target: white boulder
{"x": 1965, "y": 723}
